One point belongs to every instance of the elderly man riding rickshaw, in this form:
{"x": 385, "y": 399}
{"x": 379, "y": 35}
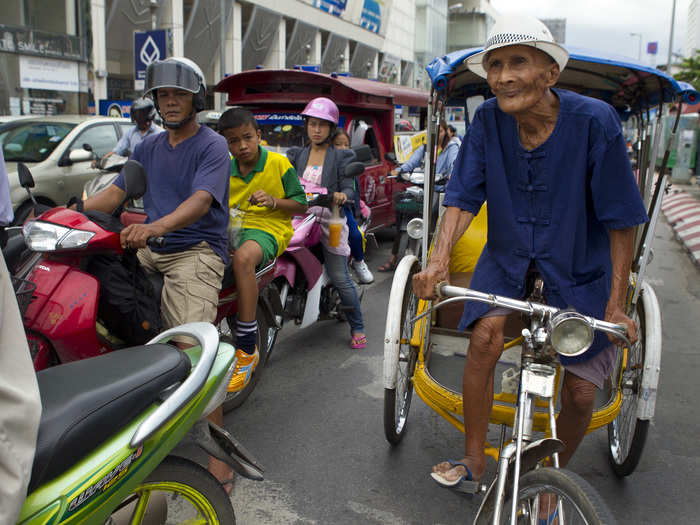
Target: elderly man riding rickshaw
{"x": 563, "y": 203}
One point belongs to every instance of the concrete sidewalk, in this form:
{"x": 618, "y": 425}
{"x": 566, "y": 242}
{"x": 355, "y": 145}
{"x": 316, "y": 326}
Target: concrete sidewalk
{"x": 682, "y": 210}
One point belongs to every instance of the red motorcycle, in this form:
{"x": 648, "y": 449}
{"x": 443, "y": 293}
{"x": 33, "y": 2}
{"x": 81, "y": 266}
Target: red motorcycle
{"x": 63, "y": 321}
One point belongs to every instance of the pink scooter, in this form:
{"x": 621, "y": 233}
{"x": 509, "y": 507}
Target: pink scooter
{"x": 301, "y": 289}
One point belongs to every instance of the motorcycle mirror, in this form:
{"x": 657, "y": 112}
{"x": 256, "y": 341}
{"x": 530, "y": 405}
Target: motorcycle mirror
{"x": 25, "y": 176}
{"x": 87, "y": 147}
{"x": 134, "y": 179}
{"x": 354, "y": 169}
{"x": 390, "y": 156}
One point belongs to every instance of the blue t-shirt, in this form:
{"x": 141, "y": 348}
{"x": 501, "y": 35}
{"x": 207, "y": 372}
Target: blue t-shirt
{"x": 201, "y": 162}
{"x": 552, "y": 206}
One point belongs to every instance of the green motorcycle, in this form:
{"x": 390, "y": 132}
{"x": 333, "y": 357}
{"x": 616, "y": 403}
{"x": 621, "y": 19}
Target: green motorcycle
{"x": 108, "y": 428}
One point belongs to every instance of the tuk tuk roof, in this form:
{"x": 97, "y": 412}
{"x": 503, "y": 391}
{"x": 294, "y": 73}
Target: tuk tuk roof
{"x": 285, "y": 86}
{"x": 621, "y": 81}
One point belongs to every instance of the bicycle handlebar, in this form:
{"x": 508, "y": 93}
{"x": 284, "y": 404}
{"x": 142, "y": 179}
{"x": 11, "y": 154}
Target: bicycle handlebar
{"x": 456, "y": 293}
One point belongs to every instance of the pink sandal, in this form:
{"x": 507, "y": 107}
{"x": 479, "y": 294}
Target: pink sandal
{"x": 358, "y": 341}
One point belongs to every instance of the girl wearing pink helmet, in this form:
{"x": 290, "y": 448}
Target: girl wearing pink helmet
{"x": 320, "y": 163}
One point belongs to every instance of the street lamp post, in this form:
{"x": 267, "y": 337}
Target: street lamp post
{"x": 639, "y": 51}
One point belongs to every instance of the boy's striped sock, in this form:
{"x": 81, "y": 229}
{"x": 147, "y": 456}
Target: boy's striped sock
{"x": 246, "y": 335}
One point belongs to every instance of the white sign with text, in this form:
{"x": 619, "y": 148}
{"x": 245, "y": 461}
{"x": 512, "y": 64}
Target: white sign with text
{"x": 48, "y": 73}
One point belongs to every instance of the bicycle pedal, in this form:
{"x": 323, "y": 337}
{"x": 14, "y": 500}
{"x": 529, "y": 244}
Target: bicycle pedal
{"x": 468, "y": 487}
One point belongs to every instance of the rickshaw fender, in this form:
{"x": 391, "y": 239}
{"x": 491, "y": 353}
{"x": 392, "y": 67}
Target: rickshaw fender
{"x": 652, "y": 359}
{"x": 392, "y": 331}
{"x": 532, "y": 454}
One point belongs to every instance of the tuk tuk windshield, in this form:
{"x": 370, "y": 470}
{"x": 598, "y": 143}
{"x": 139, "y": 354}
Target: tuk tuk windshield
{"x": 281, "y": 131}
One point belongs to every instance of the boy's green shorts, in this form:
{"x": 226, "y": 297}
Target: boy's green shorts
{"x": 265, "y": 240}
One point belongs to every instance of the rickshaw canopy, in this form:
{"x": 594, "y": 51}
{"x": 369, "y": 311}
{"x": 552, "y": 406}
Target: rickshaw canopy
{"x": 271, "y": 86}
{"x": 628, "y": 85}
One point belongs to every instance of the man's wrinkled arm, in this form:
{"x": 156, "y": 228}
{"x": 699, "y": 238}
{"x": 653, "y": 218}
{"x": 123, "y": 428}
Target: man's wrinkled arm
{"x": 621, "y": 254}
{"x": 455, "y": 222}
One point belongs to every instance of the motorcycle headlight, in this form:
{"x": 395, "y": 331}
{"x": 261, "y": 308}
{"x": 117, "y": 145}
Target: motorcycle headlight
{"x": 570, "y": 333}
{"x": 46, "y": 237}
{"x": 414, "y": 228}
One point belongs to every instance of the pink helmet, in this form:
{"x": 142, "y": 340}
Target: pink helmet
{"x": 323, "y": 108}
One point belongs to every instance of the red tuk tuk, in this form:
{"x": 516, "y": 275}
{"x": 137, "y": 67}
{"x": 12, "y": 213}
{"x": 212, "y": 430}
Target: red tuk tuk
{"x": 277, "y": 98}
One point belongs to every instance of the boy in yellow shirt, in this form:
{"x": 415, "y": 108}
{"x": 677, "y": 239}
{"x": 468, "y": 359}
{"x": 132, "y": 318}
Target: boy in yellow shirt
{"x": 264, "y": 186}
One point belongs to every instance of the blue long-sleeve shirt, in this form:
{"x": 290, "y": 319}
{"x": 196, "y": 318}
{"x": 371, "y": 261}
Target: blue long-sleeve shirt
{"x": 445, "y": 160}
{"x": 552, "y": 206}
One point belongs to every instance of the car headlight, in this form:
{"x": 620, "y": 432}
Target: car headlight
{"x": 46, "y": 237}
{"x": 570, "y": 333}
{"x": 414, "y": 228}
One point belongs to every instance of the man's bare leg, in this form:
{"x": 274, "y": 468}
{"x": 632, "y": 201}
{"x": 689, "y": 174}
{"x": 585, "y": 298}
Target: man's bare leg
{"x": 577, "y": 400}
{"x": 219, "y": 469}
{"x": 485, "y": 347}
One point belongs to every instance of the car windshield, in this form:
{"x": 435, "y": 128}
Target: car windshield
{"x": 32, "y": 141}
{"x": 281, "y": 131}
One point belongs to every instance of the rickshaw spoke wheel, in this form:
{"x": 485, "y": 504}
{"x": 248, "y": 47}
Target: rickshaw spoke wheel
{"x": 627, "y": 433}
{"x": 397, "y": 401}
{"x": 547, "y": 491}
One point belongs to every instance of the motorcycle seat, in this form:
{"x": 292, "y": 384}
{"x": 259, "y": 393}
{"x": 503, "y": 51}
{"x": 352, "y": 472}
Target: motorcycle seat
{"x": 88, "y": 401}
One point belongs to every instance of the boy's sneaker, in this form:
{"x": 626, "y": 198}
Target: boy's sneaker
{"x": 245, "y": 366}
{"x": 363, "y": 272}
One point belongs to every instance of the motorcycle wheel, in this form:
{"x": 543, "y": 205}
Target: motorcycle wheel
{"x": 179, "y": 491}
{"x": 236, "y": 399}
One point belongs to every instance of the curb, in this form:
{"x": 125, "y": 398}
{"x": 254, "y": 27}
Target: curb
{"x": 682, "y": 211}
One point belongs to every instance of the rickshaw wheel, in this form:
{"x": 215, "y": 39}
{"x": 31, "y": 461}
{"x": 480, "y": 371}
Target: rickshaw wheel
{"x": 580, "y": 503}
{"x": 397, "y": 401}
{"x": 627, "y": 433}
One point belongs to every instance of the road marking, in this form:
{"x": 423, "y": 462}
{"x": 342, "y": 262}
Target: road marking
{"x": 264, "y": 503}
{"x": 382, "y": 516}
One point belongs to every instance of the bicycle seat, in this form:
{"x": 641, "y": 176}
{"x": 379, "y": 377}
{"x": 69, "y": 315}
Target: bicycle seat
{"x": 86, "y": 402}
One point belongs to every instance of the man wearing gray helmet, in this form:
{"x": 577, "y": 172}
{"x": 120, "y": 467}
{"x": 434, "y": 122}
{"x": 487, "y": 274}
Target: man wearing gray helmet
{"x": 186, "y": 201}
{"x": 563, "y": 204}
{"x": 142, "y": 113}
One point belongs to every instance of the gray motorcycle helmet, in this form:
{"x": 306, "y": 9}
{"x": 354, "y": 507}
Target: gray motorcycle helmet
{"x": 143, "y": 104}
{"x": 180, "y": 73}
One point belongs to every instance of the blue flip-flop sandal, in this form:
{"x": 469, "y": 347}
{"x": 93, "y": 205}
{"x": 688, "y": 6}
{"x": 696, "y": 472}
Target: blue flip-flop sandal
{"x": 465, "y": 484}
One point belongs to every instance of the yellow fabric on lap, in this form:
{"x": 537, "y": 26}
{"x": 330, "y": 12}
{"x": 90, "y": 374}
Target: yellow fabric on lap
{"x": 467, "y": 250}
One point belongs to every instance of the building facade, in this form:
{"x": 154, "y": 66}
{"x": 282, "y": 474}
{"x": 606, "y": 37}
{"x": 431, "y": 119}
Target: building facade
{"x": 44, "y": 57}
{"x": 692, "y": 32}
{"x": 72, "y": 54}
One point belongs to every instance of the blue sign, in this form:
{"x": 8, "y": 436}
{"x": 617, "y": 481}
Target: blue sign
{"x": 334, "y": 7}
{"x": 149, "y": 47}
{"x": 652, "y": 48}
{"x": 371, "y": 18}
{"x": 115, "y": 108}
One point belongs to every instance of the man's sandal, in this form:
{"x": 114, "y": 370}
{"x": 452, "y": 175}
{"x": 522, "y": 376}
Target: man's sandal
{"x": 464, "y": 484}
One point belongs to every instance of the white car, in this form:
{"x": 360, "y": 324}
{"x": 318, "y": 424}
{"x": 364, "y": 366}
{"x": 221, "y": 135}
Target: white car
{"x": 53, "y": 149}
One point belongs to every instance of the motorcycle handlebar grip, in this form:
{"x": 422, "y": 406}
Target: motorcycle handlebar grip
{"x": 156, "y": 242}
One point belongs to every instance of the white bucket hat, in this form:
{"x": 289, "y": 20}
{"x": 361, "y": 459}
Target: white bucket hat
{"x": 510, "y": 30}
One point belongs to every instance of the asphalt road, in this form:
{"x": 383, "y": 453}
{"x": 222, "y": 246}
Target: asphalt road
{"x": 315, "y": 423}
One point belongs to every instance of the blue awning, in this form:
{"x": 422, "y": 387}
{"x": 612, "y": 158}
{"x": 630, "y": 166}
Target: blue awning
{"x": 621, "y": 81}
